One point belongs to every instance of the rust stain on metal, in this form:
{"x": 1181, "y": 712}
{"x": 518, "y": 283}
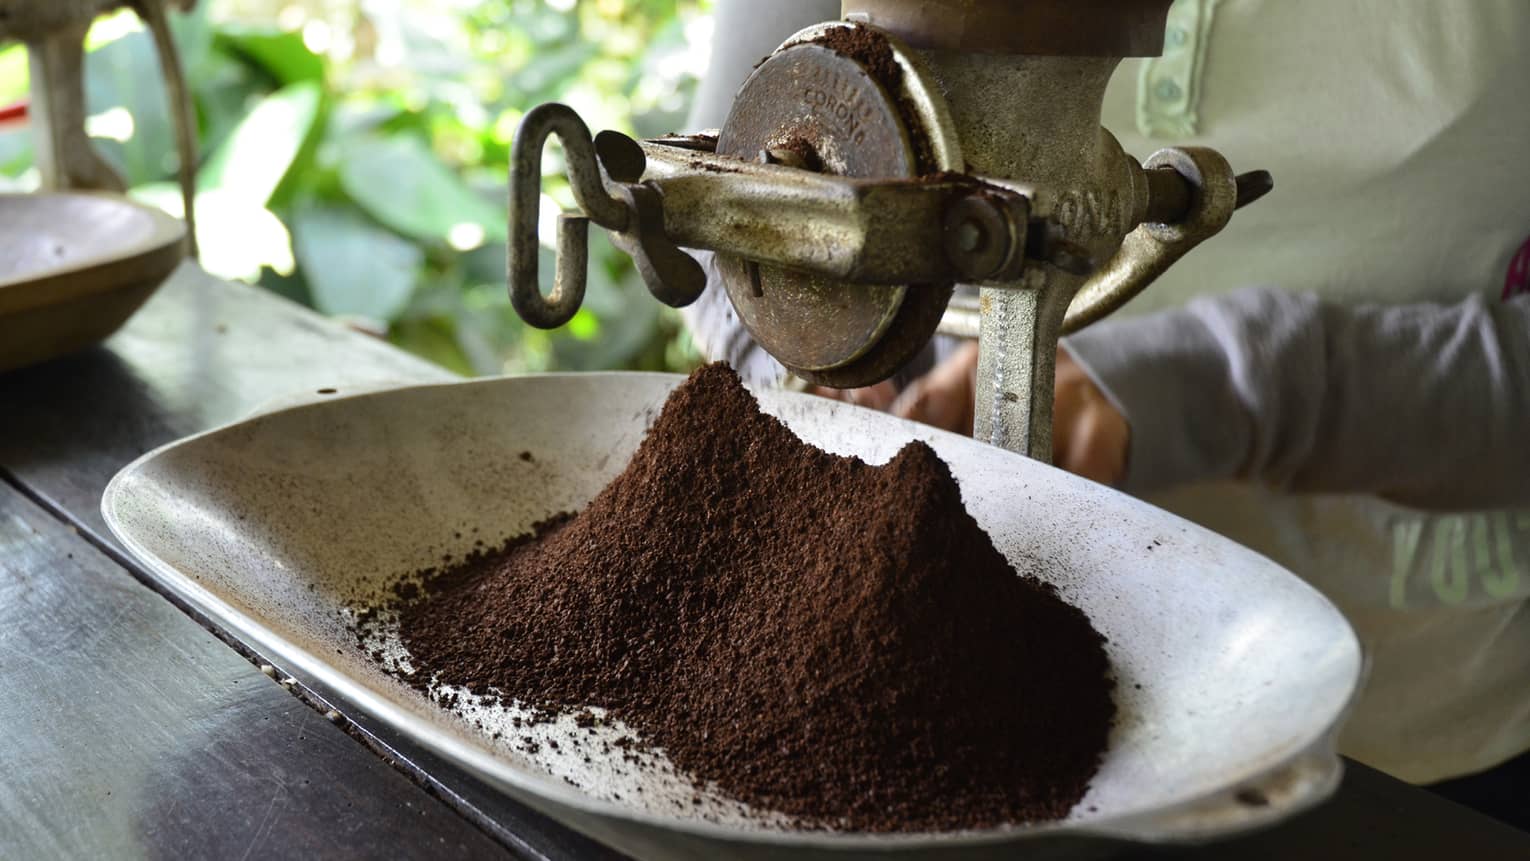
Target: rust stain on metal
{"x": 795, "y": 151}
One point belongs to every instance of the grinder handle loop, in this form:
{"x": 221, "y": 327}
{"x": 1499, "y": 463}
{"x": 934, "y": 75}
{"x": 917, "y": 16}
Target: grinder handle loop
{"x": 585, "y": 177}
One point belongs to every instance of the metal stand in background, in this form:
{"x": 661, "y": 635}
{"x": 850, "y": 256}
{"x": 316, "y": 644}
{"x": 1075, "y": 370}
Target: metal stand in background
{"x": 54, "y": 33}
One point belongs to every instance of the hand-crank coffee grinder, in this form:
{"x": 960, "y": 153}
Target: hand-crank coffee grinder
{"x": 869, "y": 166}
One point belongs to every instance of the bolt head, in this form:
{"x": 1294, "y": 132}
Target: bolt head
{"x": 983, "y": 232}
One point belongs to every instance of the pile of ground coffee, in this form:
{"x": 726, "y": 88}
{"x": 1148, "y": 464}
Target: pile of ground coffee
{"x": 835, "y": 641}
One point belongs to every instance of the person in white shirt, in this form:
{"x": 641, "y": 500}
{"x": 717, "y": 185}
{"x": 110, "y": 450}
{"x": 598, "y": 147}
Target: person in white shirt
{"x": 1363, "y": 417}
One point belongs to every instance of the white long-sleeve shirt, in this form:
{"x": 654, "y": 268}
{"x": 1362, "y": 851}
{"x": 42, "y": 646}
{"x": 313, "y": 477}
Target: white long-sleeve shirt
{"x": 1425, "y": 405}
{"x": 1382, "y": 375}
{"x": 1388, "y": 361}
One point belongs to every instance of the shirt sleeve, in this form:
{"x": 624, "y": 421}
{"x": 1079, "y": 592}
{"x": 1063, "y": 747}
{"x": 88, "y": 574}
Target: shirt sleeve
{"x": 1426, "y": 405}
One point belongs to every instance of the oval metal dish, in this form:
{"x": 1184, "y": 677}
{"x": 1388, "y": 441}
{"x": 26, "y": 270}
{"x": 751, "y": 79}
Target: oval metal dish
{"x": 1233, "y": 674}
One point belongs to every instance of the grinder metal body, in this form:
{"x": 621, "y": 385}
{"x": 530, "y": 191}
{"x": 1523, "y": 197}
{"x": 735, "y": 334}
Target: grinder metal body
{"x": 872, "y": 165}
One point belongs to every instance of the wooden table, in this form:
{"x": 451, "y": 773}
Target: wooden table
{"x": 132, "y": 727}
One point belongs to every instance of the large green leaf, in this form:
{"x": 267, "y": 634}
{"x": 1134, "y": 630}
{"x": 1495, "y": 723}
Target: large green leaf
{"x": 551, "y": 71}
{"x": 281, "y": 54}
{"x": 290, "y": 286}
{"x": 352, "y": 266}
{"x": 402, "y": 184}
{"x": 433, "y": 339}
{"x": 358, "y": 115}
{"x": 193, "y": 37}
{"x": 258, "y": 153}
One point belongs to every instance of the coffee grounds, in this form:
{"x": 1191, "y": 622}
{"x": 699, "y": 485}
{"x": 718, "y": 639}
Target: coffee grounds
{"x": 838, "y": 642}
{"x": 870, "y": 49}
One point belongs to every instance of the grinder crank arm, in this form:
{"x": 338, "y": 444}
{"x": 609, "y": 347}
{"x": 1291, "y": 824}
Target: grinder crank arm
{"x": 938, "y": 229}
{"x": 660, "y": 195}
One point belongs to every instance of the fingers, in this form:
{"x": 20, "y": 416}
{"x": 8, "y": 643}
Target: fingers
{"x": 877, "y": 397}
{"x": 1090, "y": 437}
{"x": 944, "y": 397}
{"x": 1096, "y": 448}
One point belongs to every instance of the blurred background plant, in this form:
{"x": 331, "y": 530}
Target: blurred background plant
{"x": 355, "y": 154}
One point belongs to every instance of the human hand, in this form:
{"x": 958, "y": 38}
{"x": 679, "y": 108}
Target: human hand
{"x": 946, "y": 397}
{"x": 1090, "y": 437}
{"x": 877, "y": 397}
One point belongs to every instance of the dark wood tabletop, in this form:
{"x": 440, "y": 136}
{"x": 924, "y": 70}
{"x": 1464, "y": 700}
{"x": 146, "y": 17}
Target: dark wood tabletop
{"x": 132, "y": 727}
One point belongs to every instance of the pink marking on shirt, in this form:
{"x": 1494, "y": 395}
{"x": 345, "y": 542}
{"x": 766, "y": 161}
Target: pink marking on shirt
{"x": 1518, "y": 279}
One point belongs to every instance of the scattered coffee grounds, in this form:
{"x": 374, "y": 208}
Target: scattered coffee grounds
{"x": 870, "y": 49}
{"x": 838, "y": 642}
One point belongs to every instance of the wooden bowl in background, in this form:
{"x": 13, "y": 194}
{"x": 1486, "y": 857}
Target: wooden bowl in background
{"x": 74, "y": 266}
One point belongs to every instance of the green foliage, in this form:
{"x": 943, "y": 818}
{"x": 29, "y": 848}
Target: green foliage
{"x": 354, "y": 155}
{"x": 280, "y": 54}
{"x": 259, "y": 152}
{"x": 399, "y": 181}
{"x": 354, "y": 266}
